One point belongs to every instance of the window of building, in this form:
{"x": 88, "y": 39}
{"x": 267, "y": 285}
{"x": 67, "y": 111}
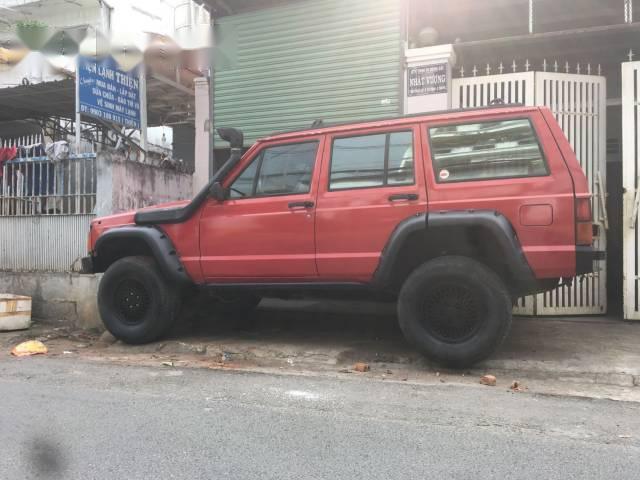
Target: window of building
{"x": 487, "y": 150}
{"x": 372, "y": 161}
{"x": 280, "y": 170}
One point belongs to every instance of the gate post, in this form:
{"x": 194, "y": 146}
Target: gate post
{"x": 631, "y": 188}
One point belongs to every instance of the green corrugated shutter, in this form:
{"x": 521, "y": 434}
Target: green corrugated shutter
{"x": 282, "y": 68}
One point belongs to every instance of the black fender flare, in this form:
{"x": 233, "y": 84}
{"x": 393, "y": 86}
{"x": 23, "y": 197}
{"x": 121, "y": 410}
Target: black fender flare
{"x": 158, "y": 242}
{"x": 492, "y": 221}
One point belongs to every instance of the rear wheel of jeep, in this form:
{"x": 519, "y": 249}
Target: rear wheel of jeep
{"x": 136, "y": 303}
{"x": 455, "y": 310}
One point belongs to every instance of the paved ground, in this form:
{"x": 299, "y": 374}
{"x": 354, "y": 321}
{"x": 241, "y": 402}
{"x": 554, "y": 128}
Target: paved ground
{"x": 592, "y": 357}
{"x": 71, "y": 419}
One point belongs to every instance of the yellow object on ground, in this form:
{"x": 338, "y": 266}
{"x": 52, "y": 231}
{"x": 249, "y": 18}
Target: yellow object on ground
{"x": 32, "y": 347}
{"x": 12, "y": 56}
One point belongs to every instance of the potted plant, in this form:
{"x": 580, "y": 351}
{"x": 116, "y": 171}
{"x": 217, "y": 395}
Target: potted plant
{"x": 33, "y": 33}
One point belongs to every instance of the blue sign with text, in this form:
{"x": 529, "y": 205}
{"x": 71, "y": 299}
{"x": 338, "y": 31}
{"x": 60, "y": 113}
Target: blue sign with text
{"x": 108, "y": 93}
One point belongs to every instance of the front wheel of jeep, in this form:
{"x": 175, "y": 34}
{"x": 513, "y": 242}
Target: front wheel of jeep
{"x": 456, "y": 310}
{"x": 136, "y": 303}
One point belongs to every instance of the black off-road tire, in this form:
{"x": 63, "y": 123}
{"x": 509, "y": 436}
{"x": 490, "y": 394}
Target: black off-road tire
{"x": 456, "y": 310}
{"x": 136, "y": 303}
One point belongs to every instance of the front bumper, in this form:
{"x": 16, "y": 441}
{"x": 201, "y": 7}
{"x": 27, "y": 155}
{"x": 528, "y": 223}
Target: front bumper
{"x": 585, "y": 256}
{"x": 86, "y": 265}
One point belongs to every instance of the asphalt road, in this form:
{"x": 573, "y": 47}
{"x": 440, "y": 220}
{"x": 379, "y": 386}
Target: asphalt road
{"x": 73, "y": 420}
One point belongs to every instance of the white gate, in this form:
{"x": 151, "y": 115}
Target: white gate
{"x": 579, "y": 104}
{"x": 481, "y": 91}
{"x": 631, "y": 187}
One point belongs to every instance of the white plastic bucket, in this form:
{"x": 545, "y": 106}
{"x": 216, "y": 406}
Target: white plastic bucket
{"x": 15, "y": 312}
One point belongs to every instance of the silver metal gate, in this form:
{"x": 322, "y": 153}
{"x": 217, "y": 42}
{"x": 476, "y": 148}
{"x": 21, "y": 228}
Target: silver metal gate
{"x": 631, "y": 187}
{"x": 579, "y": 104}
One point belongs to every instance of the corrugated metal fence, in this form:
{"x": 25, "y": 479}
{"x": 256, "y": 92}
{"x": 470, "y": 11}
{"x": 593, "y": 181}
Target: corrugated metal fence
{"x": 46, "y": 206}
{"x": 281, "y": 68}
{"x": 47, "y": 243}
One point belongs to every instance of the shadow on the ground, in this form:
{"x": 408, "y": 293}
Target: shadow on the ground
{"x": 302, "y": 318}
{"x": 367, "y": 331}
{"x": 353, "y": 331}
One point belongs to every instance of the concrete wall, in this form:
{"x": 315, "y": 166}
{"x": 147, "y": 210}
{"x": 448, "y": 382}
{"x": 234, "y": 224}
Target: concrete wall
{"x": 65, "y": 298}
{"x": 125, "y": 185}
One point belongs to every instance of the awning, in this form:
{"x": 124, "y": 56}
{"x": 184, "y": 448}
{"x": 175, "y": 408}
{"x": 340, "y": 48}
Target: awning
{"x": 602, "y": 44}
{"x": 167, "y": 101}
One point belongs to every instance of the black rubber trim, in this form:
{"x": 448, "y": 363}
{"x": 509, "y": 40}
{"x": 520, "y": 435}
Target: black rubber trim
{"x": 383, "y": 275}
{"x": 585, "y": 256}
{"x": 310, "y": 289}
{"x": 289, "y": 286}
{"x": 86, "y": 265}
{"x": 437, "y": 223}
{"x": 172, "y": 215}
{"x": 161, "y": 246}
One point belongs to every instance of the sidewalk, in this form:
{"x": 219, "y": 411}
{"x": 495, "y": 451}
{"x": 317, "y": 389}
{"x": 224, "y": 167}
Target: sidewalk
{"x": 585, "y": 356}
{"x": 599, "y": 349}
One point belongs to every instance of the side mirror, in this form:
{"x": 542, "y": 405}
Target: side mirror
{"x": 218, "y": 192}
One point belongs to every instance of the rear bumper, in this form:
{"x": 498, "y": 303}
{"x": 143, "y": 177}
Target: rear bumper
{"x": 585, "y": 256}
{"x": 86, "y": 265}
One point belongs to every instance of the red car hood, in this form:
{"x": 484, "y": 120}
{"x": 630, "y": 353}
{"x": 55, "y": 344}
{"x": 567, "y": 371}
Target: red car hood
{"x": 102, "y": 224}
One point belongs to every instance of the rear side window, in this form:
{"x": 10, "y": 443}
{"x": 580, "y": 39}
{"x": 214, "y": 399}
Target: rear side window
{"x": 486, "y": 150}
{"x": 368, "y": 161}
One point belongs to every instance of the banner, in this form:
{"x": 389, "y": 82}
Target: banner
{"x": 108, "y": 93}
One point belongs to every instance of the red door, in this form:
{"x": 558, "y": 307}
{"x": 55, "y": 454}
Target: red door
{"x": 371, "y": 180}
{"x": 265, "y": 229}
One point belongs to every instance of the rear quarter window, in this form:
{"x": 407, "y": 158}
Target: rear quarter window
{"x": 486, "y": 150}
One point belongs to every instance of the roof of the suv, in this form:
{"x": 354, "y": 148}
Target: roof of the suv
{"x": 406, "y": 119}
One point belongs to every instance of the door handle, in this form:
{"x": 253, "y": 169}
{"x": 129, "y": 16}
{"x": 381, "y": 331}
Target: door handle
{"x": 403, "y": 196}
{"x": 301, "y": 205}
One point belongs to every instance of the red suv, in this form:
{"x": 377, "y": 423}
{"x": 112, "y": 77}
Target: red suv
{"x": 452, "y": 214}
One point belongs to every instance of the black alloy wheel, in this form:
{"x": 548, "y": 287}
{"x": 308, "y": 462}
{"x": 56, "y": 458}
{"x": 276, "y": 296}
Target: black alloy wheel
{"x": 452, "y": 312}
{"x": 132, "y": 300}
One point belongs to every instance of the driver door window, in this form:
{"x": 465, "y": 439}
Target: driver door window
{"x": 243, "y": 185}
{"x": 279, "y": 170}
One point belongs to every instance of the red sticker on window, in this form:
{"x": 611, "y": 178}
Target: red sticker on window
{"x": 444, "y": 174}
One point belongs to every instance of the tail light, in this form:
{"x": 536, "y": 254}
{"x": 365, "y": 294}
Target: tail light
{"x": 584, "y": 222}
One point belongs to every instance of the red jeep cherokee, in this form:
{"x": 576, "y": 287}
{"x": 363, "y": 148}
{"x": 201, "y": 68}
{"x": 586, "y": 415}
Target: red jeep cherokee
{"x": 452, "y": 214}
